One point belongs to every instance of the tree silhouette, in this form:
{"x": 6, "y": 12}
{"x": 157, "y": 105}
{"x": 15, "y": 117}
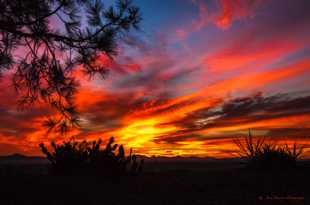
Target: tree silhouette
{"x": 43, "y": 41}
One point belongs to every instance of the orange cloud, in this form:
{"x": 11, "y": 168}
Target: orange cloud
{"x": 140, "y": 124}
{"x": 249, "y": 54}
{"x": 281, "y": 122}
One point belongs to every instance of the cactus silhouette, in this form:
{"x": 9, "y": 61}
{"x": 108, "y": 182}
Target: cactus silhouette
{"x": 85, "y": 157}
{"x": 267, "y": 155}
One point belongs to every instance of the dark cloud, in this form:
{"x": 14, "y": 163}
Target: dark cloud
{"x": 17, "y": 122}
{"x": 175, "y": 139}
{"x": 254, "y": 108}
{"x": 160, "y": 70}
{"x": 244, "y": 110}
{"x": 109, "y": 111}
{"x": 156, "y": 78}
{"x": 290, "y": 132}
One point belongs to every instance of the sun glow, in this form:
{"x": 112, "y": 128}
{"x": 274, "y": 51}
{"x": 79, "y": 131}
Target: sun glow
{"x": 140, "y": 132}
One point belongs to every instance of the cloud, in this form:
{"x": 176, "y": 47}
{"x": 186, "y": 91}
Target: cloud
{"x": 221, "y": 13}
{"x": 248, "y": 52}
{"x": 290, "y": 133}
{"x": 128, "y": 66}
{"x": 249, "y": 111}
{"x": 232, "y": 10}
{"x": 109, "y": 109}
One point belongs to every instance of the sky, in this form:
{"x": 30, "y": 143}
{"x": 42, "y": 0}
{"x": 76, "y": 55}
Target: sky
{"x": 197, "y": 75}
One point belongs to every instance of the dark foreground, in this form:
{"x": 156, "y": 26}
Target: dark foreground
{"x": 195, "y": 182}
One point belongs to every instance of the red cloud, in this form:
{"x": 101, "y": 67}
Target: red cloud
{"x": 250, "y": 53}
{"x": 232, "y": 10}
{"x": 228, "y": 11}
{"x": 112, "y": 65}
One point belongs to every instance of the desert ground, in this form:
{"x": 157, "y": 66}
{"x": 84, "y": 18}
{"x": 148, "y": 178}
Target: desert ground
{"x": 163, "y": 181}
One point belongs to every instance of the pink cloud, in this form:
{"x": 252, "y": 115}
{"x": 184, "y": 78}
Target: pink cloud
{"x": 228, "y": 11}
{"x": 232, "y": 10}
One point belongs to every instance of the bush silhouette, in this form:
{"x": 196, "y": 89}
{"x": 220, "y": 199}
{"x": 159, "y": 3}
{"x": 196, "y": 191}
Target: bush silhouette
{"x": 72, "y": 157}
{"x": 262, "y": 155}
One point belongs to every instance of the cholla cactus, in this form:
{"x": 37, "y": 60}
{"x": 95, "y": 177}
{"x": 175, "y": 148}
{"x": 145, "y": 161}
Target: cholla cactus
{"x": 87, "y": 157}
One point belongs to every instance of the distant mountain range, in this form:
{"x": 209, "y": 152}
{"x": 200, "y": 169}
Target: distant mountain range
{"x": 21, "y": 159}
{"x": 17, "y": 156}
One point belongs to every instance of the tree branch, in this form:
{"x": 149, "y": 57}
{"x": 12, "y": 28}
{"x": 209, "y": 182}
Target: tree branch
{"x": 40, "y": 18}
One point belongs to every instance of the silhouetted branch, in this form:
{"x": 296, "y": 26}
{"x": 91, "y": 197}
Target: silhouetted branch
{"x": 43, "y": 72}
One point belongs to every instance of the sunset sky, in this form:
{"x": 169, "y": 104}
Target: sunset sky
{"x": 196, "y": 75}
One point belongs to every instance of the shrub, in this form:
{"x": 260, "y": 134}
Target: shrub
{"x": 266, "y": 155}
{"x": 85, "y": 157}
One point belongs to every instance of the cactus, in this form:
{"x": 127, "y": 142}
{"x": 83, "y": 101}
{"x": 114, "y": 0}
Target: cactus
{"x": 84, "y": 157}
{"x": 267, "y": 155}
